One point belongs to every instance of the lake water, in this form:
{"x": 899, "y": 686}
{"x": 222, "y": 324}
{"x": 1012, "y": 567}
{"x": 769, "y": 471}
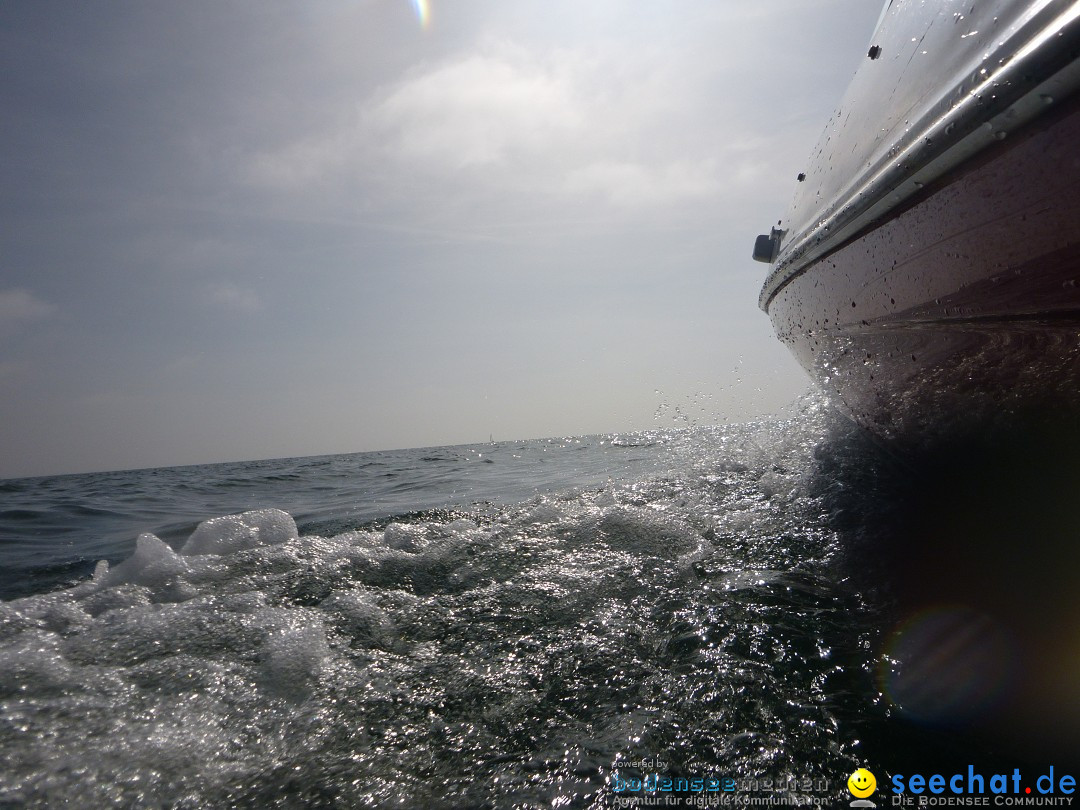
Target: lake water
{"x": 752, "y": 609}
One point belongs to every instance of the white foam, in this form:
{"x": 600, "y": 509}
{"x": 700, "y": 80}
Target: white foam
{"x": 98, "y": 599}
{"x": 231, "y": 533}
{"x": 293, "y": 658}
{"x": 32, "y": 664}
{"x": 403, "y": 537}
{"x": 643, "y": 531}
{"x": 356, "y": 614}
{"x": 360, "y": 539}
{"x": 153, "y": 564}
{"x": 543, "y": 512}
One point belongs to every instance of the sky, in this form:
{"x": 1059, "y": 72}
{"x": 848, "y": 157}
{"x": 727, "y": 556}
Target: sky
{"x": 255, "y": 230}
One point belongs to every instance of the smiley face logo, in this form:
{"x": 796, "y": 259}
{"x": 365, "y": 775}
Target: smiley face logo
{"x": 861, "y": 783}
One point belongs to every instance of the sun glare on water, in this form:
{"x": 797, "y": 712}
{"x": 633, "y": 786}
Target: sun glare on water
{"x": 423, "y": 11}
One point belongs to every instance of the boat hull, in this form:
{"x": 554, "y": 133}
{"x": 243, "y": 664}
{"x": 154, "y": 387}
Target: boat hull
{"x": 963, "y": 309}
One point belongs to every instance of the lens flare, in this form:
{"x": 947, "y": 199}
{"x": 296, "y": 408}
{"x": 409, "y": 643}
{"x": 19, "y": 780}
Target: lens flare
{"x": 423, "y": 12}
{"x": 947, "y": 664}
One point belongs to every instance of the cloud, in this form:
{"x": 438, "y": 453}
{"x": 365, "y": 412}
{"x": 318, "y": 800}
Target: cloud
{"x": 233, "y": 298}
{"x": 483, "y": 109}
{"x": 508, "y": 132}
{"x": 19, "y": 307}
{"x": 634, "y": 184}
{"x": 476, "y": 110}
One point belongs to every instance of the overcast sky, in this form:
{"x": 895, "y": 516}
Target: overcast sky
{"x": 237, "y": 230}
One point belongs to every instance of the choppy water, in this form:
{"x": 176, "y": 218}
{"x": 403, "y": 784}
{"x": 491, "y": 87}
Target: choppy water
{"x": 510, "y": 625}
